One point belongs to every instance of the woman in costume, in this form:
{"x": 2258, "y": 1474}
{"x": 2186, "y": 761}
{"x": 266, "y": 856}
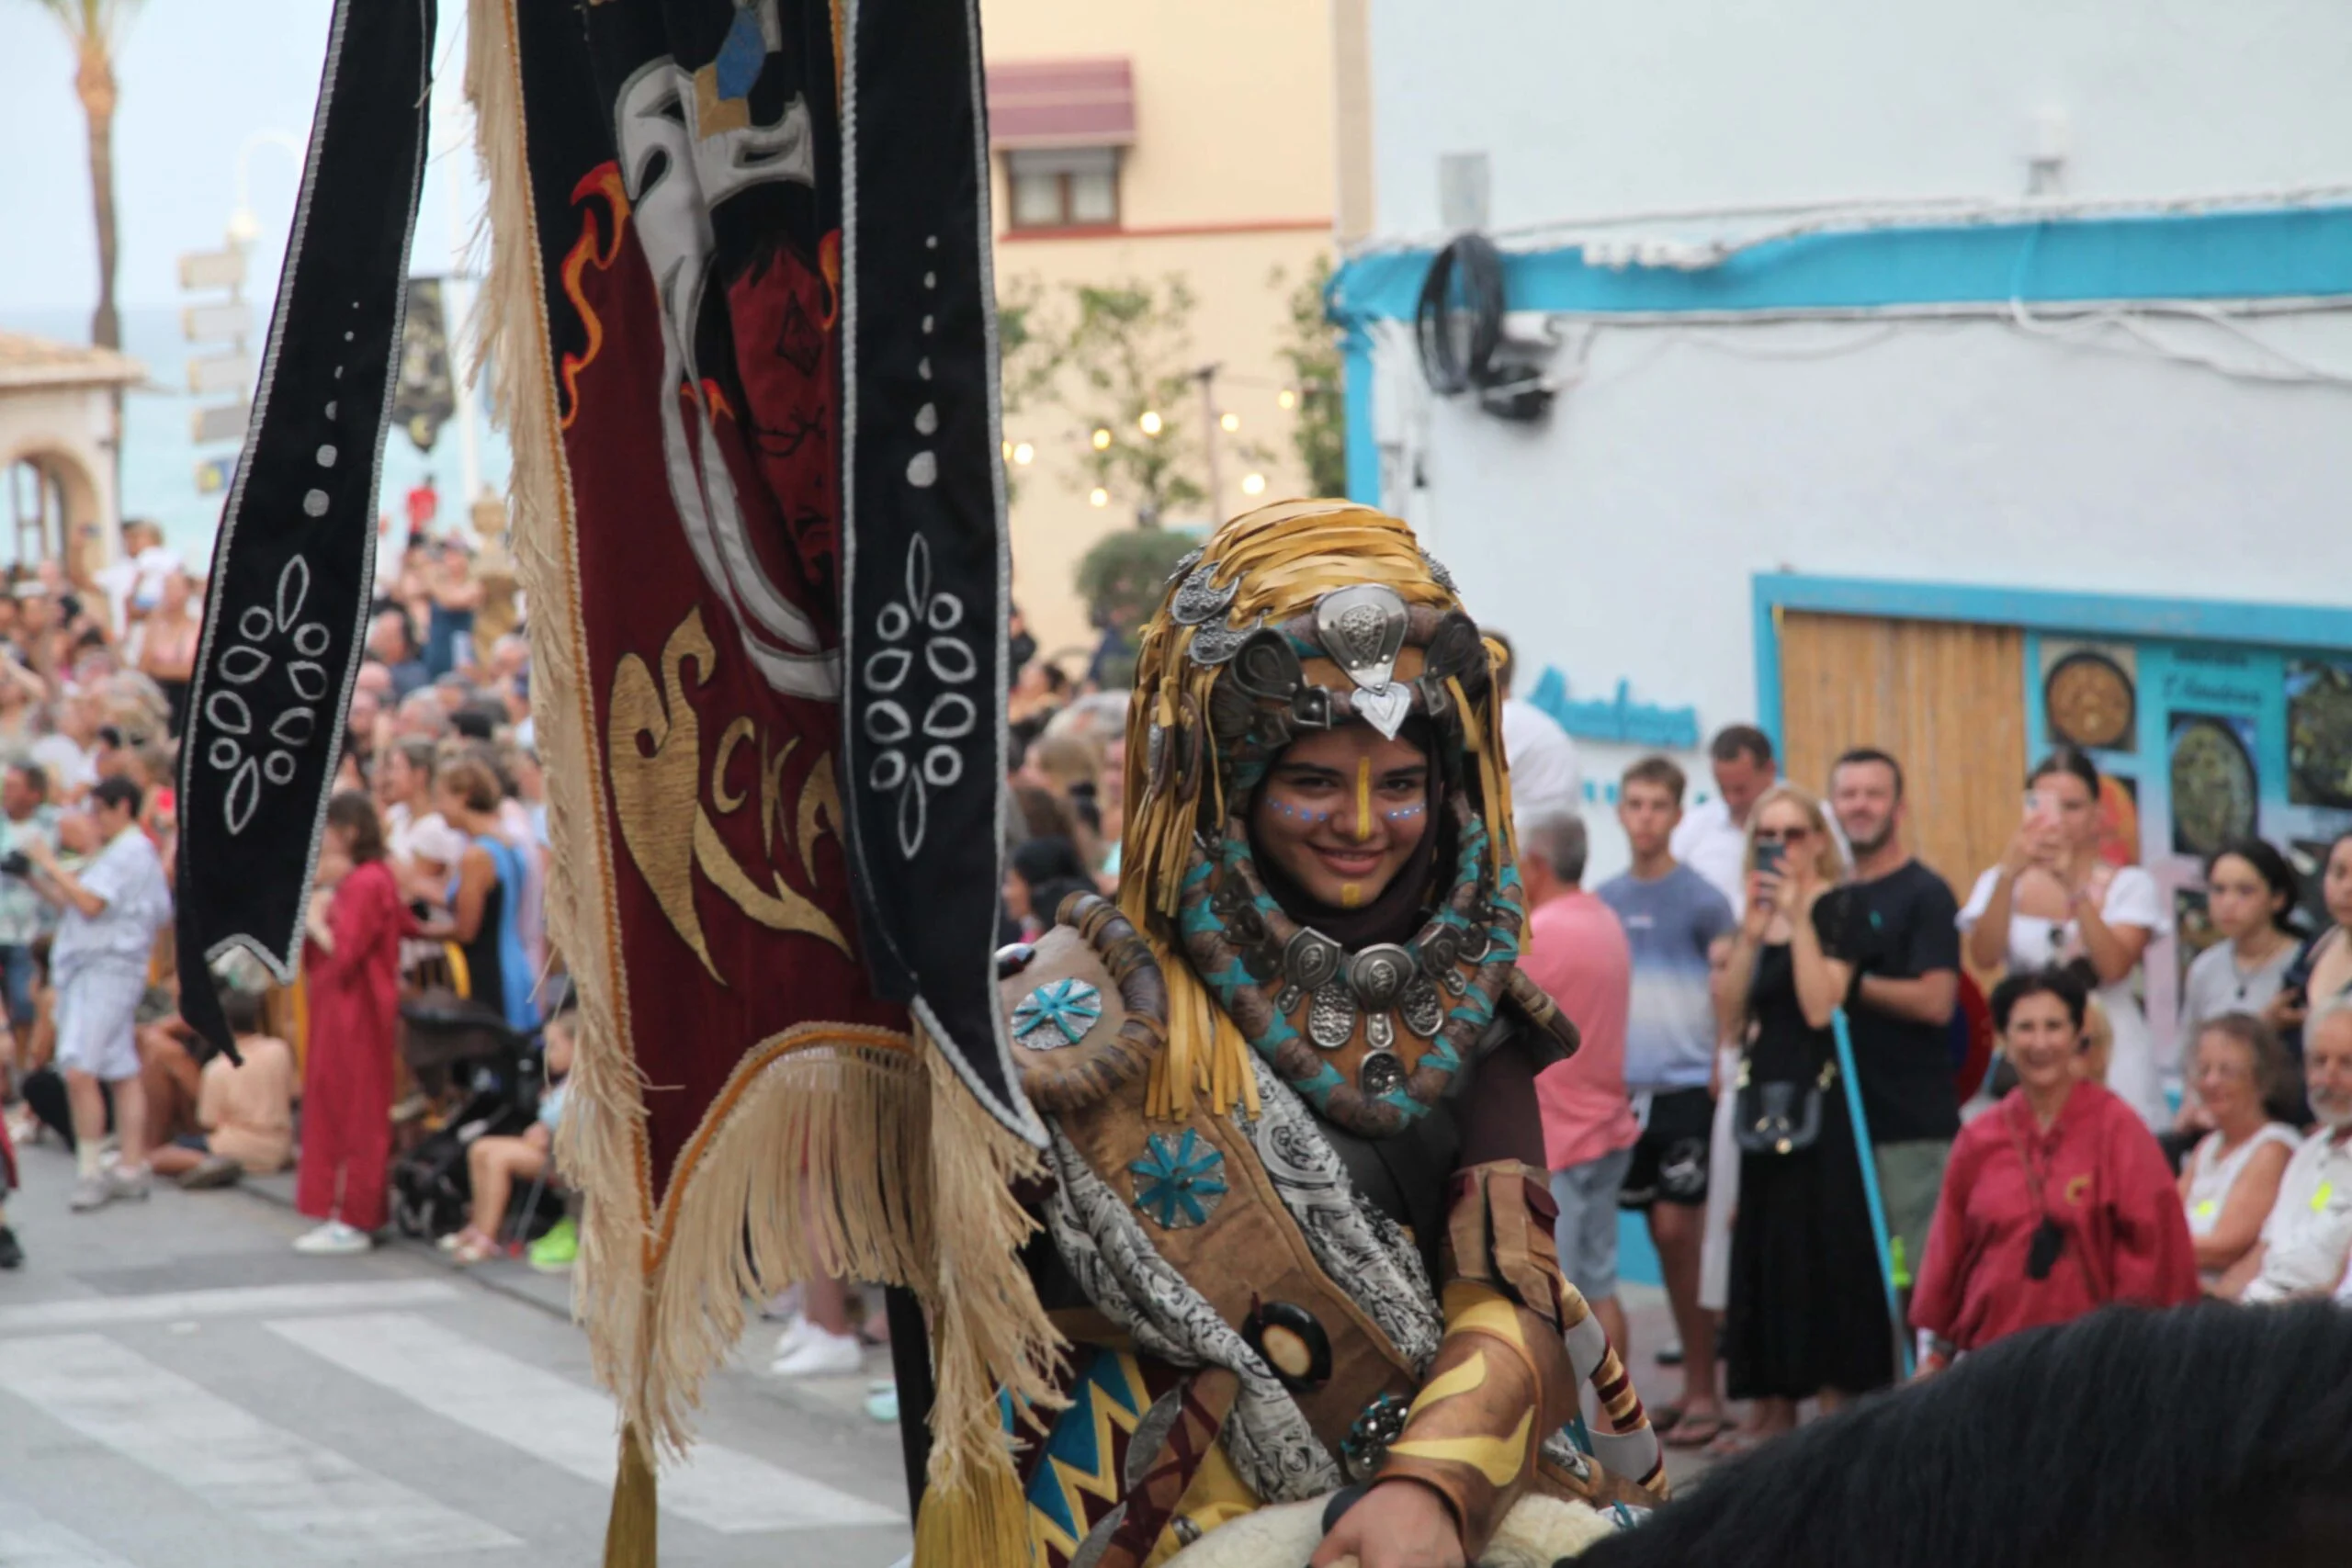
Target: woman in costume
{"x": 1299, "y": 1234}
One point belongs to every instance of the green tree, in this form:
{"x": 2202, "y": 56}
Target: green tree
{"x": 1121, "y": 578}
{"x": 1115, "y": 358}
{"x": 95, "y": 28}
{"x": 1311, "y": 355}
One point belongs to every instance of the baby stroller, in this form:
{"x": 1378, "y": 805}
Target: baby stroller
{"x": 479, "y": 1076}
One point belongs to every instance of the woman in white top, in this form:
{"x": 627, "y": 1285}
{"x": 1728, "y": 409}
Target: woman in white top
{"x": 2051, "y": 901}
{"x": 2249, "y": 892}
{"x": 2230, "y": 1181}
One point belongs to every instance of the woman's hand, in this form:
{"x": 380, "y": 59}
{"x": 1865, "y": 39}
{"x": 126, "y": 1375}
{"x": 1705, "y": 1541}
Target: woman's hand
{"x": 1763, "y": 896}
{"x": 1397, "y": 1524}
{"x": 2027, "y": 849}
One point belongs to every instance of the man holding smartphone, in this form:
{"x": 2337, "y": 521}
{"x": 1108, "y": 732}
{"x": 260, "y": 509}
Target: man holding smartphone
{"x": 1902, "y": 936}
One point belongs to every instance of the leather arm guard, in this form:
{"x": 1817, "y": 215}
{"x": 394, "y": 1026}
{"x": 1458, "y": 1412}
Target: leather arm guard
{"x": 1502, "y": 1380}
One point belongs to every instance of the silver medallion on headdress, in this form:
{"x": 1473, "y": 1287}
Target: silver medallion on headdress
{"x": 1198, "y": 600}
{"x": 1362, "y": 628}
{"x": 1216, "y": 642}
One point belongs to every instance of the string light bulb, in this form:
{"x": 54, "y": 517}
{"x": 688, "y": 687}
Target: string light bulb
{"x": 1230, "y": 422}
{"x": 1024, "y": 454}
{"x": 1150, "y": 421}
{"x": 1286, "y": 398}
{"x": 1253, "y": 484}
{"x": 1008, "y": 451}
{"x": 1098, "y": 496}
{"x": 1101, "y": 440}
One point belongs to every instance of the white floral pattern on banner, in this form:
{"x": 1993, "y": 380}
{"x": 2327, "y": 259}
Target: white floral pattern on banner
{"x": 912, "y": 757}
{"x": 251, "y": 752}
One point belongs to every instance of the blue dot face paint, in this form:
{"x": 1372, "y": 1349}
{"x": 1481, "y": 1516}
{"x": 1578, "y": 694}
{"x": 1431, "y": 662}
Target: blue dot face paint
{"x": 1299, "y": 813}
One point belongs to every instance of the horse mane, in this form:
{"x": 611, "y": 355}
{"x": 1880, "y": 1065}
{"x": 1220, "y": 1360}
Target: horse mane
{"x": 2206, "y": 1435}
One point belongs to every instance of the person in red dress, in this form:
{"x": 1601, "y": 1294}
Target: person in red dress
{"x": 351, "y": 962}
{"x": 2058, "y": 1199}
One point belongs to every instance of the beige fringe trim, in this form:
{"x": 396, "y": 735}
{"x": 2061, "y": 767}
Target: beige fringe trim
{"x": 832, "y": 1146}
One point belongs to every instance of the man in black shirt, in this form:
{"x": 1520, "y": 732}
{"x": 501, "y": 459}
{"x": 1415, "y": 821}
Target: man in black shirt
{"x": 1900, "y": 931}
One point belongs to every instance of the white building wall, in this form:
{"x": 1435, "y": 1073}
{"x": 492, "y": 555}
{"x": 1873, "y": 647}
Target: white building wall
{"x": 1618, "y": 538}
{"x": 1585, "y": 108}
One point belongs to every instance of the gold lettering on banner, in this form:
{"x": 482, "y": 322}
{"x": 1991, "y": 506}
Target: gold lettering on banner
{"x": 655, "y": 757}
{"x": 654, "y": 753}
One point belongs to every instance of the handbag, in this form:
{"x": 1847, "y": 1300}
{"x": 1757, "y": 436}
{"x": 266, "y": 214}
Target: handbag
{"x": 1781, "y": 1117}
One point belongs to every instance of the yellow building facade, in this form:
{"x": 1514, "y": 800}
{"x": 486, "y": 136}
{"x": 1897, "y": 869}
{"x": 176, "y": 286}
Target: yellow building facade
{"x": 1132, "y": 143}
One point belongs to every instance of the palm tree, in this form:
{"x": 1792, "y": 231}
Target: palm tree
{"x": 94, "y": 28}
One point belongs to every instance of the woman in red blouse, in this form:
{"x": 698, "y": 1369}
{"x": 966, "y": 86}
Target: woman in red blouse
{"x": 2057, "y": 1200}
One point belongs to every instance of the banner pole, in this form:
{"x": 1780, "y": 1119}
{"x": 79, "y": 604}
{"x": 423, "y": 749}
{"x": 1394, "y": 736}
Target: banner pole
{"x": 1868, "y": 1154}
{"x": 910, "y": 1363}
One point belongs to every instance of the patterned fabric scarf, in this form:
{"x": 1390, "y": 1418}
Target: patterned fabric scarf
{"x": 1370, "y": 1038}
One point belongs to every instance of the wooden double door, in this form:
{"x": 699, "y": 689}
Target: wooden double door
{"x": 1947, "y": 699}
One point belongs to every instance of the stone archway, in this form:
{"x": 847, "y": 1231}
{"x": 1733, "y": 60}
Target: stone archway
{"x": 52, "y": 498}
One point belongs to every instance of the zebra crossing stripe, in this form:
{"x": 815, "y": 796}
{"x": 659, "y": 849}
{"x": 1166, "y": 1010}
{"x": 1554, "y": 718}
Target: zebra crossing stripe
{"x": 563, "y": 1423}
{"x": 28, "y": 1540}
{"x": 83, "y": 1312}
{"x": 237, "y": 1463}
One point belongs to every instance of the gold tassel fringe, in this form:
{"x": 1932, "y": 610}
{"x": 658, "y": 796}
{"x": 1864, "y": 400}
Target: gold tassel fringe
{"x": 632, "y": 1537}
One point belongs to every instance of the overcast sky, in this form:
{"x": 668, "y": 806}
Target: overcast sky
{"x": 198, "y": 79}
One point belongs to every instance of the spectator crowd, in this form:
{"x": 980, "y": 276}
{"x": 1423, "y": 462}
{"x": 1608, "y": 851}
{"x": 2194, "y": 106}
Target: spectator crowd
{"x": 1763, "y": 944}
{"x": 423, "y": 924}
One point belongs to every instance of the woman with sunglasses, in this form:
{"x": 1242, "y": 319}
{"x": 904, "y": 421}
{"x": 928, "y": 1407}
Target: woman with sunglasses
{"x": 1807, "y": 1313}
{"x": 2052, "y": 900}
{"x": 2058, "y": 1199}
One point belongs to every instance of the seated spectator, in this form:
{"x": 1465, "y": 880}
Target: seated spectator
{"x": 2231, "y": 1178}
{"x": 2308, "y": 1237}
{"x": 495, "y": 1162}
{"x": 2057, "y": 1200}
{"x": 235, "y": 1120}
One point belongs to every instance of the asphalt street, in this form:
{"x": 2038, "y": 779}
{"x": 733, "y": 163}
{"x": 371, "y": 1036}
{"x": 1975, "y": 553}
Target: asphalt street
{"x": 178, "y": 1389}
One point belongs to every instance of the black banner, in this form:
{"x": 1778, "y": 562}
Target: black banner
{"x": 423, "y": 396}
{"x": 292, "y": 569}
{"x": 924, "y": 558}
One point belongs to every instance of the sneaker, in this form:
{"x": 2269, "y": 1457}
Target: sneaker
{"x": 882, "y": 1401}
{"x": 130, "y": 1184}
{"x": 91, "y": 1192}
{"x": 555, "y": 1251}
{"x": 334, "y": 1239}
{"x": 11, "y": 1255}
{"x": 796, "y": 1329}
{"x": 820, "y": 1354}
{"x": 217, "y": 1171}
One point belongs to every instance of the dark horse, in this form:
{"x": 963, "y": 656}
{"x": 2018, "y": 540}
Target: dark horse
{"x": 2205, "y": 1435}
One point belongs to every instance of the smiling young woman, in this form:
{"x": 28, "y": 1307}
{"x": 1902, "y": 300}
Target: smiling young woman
{"x": 1342, "y": 812}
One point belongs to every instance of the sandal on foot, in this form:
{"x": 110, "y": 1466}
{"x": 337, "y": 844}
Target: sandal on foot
{"x": 1734, "y": 1441}
{"x": 1696, "y": 1431}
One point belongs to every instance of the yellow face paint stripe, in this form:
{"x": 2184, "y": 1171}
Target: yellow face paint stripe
{"x": 1497, "y": 1459}
{"x": 1363, "y": 799}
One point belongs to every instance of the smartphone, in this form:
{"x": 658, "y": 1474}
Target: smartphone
{"x": 1769, "y": 856}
